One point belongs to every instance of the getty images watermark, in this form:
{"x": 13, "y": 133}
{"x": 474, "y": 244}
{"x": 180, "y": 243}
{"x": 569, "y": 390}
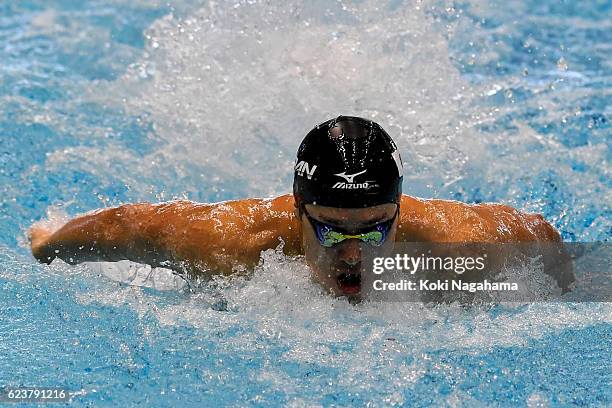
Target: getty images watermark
{"x": 524, "y": 272}
{"x": 423, "y": 264}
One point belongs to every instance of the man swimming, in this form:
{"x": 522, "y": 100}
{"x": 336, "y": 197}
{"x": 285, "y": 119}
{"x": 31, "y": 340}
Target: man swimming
{"x": 346, "y": 197}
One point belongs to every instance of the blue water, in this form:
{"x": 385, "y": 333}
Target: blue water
{"x": 109, "y": 102}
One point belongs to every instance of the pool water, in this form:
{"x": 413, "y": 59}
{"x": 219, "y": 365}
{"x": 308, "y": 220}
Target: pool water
{"x": 110, "y": 102}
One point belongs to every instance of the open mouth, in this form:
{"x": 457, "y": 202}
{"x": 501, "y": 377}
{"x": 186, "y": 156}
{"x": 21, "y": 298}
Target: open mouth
{"x": 349, "y": 283}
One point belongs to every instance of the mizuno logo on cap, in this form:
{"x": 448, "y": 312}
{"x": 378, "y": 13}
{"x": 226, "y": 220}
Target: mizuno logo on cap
{"x": 349, "y": 177}
{"x": 349, "y": 181}
{"x": 348, "y": 186}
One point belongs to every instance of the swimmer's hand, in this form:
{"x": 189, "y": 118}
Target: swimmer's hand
{"x": 39, "y": 236}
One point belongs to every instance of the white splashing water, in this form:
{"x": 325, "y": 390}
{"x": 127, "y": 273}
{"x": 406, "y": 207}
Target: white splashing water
{"x": 281, "y": 300}
{"x": 369, "y": 344}
{"x": 232, "y": 90}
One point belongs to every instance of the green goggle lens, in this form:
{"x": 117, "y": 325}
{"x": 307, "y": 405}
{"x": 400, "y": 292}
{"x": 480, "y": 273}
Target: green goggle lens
{"x": 331, "y": 238}
{"x": 329, "y": 235}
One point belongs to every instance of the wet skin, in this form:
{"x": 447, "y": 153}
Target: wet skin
{"x": 223, "y": 238}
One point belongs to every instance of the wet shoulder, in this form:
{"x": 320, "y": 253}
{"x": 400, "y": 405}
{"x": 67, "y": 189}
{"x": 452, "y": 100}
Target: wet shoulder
{"x": 455, "y": 221}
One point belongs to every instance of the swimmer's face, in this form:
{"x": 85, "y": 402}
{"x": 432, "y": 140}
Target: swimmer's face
{"x": 339, "y": 268}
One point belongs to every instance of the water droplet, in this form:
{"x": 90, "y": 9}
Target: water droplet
{"x": 562, "y": 64}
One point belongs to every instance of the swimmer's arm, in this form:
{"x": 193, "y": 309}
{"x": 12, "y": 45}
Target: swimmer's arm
{"x": 181, "y": 235}
{"x": 112, "y": 234}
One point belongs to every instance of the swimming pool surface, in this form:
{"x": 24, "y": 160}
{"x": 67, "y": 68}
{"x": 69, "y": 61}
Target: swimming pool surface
{"x": 109, "y": 102}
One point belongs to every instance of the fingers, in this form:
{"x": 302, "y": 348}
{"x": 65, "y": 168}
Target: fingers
{"x": 39, "y": 239}
{"x": 38, "y": 235}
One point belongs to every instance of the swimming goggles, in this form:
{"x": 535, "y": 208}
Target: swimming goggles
{"x": 329, "y": 235}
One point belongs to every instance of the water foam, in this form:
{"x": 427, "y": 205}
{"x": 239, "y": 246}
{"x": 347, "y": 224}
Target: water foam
{"x": 281, "y": 315}
{"x": 261, "y": 76}
{"x": 231, "y": 89}
{"x": 280, "y": 301}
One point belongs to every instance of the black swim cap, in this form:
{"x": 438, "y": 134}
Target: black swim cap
{"x": 347, "y": 162}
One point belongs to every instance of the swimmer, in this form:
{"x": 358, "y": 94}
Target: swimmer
{"x": 346, "y": 197}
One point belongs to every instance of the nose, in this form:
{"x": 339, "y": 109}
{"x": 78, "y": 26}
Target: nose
{"x": 350, "y": 252}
